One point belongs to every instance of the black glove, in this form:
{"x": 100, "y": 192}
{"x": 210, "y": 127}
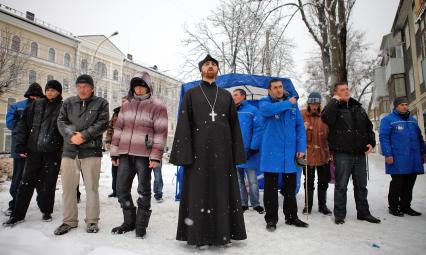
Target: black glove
{"x": 251, "y": 152}
{"x": 114, "y": 158}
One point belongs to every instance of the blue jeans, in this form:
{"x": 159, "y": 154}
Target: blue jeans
{"x": 158, "y": 182}
{"x": 346, "y": 165}
{"x": 253, "y": 187}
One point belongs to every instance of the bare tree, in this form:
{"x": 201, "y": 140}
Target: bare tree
{"x": 14, "y": 56}
{"x": 327, "y": 21}
{"x": 236, "y": 33}
{"x": 360, "y": 68}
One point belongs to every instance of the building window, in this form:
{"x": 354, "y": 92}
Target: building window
{"x": 67, "y": 59}
{"x": 105, "y": 93}
{"x": 32, "y": 76}
{"x": 66, "y": 85}
{"x": 83, "y": 66}
{"x": 99, "y": 92}
{"x": 49, "y": 77}
{"x": 16, "y": 43}
{"x": 411, "y": 79}
{"x": 407, "y": 36}
{"x": 115, "y": 75}
{"x": 101, "y": 69}
{"x": 52, "y": 55}
{"x": 34, "y": 49}
{"x": 399, "y": 87}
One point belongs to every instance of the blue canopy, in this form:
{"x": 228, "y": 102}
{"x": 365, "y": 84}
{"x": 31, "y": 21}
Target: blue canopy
{"x": 230, "y": 81}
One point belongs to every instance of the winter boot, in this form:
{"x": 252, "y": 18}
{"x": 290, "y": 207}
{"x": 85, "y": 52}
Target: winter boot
{"x": 129, "y": 216}
{"x": 322, "y": 200}
{"x": 142, "y": 220}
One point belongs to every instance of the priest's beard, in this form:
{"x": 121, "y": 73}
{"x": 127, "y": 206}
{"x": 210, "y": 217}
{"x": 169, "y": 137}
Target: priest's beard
{"x": 209, "y": 74}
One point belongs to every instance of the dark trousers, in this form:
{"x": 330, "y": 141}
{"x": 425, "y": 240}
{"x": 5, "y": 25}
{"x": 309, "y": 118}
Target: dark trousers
{"x": 323, "y": 173}
{"x": 128, "y": 168}
{"x": 114, "y": 178}
{"x": 18, "y": 169}
{"x": 346, "y": 165}
{"x": 401, "y": 190}
{"x": 41, "y": 171}
{"x": 270, "y": 196}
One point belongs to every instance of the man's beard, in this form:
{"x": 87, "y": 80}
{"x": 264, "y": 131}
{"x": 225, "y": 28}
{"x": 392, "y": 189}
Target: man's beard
{"x": 209, "y": 75}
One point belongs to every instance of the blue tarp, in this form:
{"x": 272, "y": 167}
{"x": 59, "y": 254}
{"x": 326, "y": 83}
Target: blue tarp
{"x": 230, "y": 81}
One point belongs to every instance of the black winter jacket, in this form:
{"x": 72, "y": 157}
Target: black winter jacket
{"x": 350, "y": 129}
{"x": 90, "y": 117}
{"x": 38, "y": 130}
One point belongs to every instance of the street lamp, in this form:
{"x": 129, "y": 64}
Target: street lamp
{"x": 97, "y": 48}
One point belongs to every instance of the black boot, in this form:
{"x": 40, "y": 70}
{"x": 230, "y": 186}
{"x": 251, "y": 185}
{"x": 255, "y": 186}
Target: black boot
{"x": 396, "y": 212}
{"x": 12, "y": 221}
{"x": 322, "y": 202}
{"x": 411, "y": 212}
{"x": 142, "y": 220}
{"x": 129, "y": 216}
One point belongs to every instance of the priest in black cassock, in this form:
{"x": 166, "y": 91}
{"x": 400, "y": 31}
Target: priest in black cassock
{"x": 208, "y": 143}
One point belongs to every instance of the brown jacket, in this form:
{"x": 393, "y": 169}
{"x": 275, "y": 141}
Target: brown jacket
{"x": 110, "y": 130}
{"x": 318, "y": 153}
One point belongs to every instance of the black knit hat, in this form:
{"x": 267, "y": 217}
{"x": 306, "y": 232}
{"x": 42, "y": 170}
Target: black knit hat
{"x": 85, "y": 78}
{"x": 34, "y": 90}
{"x": 54, "y": 84}
{"x": 207, "y": 58}
{"x": 399, "y": 100}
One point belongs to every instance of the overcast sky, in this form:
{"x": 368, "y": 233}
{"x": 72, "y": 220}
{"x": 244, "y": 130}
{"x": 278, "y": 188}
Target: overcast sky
{"x": 153, "y": 30}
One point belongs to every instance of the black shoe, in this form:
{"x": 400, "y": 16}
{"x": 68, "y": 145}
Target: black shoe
{"x": 63, "y": 229}
{"x": 113, "y": 194}
{"x": 297, "y": 222}
{"x": 259, "y": 209}
{"x": 411, "y": 212}
{"x": 245, "y": 208}
{"x": 47, "y": 217}
{"x": 271, "y": 226}
{"x": 159, "y": 200}
{"x": 369, "y": 218}
{"x": 12, "y": 221}
{"x": 396, "y": 212}
{"x": 122, "y": 229}
{"x": 307, "y": 211}
{"x": 92, "y": 228}
{"x": 339, "y": 221}
{"x": 324, "y": 210}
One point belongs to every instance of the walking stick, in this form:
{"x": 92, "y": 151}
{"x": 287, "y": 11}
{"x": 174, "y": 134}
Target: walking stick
{"x": 306, "y": 185}
{"x": 367, "y": 167}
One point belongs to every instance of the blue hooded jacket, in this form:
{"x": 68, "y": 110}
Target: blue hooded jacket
{"x": 402, "y": 140}
{"x": 283, "y": 136}
{"x": 251, "y": 124}
{"x": 13, "y": 116}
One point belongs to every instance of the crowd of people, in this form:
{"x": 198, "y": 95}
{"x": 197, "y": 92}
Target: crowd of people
{"x": 221, "y": 140}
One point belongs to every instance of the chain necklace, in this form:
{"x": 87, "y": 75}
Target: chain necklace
{"x": 212, "y": 113}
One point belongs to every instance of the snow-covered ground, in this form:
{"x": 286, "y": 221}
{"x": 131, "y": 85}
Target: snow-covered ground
{"x": 406, "y": 235}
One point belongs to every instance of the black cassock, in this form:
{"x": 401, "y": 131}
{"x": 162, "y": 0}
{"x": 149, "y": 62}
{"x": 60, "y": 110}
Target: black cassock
{"x": 210, "y": 208}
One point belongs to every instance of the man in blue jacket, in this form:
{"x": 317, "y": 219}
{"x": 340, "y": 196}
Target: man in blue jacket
{"x": 13, "y": 116}
{"x": 251, "y": 123}
{"x": 284, "y": 139}
{"x": 405, "y": 152}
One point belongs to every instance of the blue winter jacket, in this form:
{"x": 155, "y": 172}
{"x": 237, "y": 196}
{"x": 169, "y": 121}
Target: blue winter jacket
{"x": 283, "y": 136}
{"x": 251, "y": 124}
{"x": 13, "y": 116}
{"x": 402, "y": 140}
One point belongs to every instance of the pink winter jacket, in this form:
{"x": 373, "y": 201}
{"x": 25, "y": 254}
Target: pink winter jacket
{"x": 141, "y": 129}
